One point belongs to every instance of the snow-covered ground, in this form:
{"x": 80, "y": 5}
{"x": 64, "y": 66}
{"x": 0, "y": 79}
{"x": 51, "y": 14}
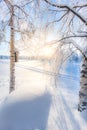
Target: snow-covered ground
{"x": 37, "y": 104}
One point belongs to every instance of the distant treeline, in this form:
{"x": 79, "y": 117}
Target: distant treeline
{"x": 4, "y": 57}
{"x": 20, "y": 57}
{"x": 74, "y": 58}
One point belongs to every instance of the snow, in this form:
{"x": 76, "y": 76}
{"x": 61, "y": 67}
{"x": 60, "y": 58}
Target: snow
{"x": 37, "y": 104}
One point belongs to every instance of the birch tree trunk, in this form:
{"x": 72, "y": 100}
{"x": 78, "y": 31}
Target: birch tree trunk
{"x": 83, "y": 87}
{"x": 12, "y": 53}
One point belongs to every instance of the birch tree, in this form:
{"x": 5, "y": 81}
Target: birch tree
{"x": 15, "y": 16}
{"x": 71, "y": 20}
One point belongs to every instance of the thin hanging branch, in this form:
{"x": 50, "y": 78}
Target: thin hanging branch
{"x": 68, "y": 8}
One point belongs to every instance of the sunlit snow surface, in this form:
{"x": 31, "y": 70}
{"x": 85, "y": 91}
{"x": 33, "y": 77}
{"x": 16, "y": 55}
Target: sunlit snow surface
{"x": 37, "y": 104}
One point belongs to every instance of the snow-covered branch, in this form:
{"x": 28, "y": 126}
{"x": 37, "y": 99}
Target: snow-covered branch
{"x": 68, "y": 8}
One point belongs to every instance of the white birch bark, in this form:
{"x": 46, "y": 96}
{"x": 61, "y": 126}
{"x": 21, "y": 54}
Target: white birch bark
{"x": 83, "y": 87}
{"x": 12, "y": 54}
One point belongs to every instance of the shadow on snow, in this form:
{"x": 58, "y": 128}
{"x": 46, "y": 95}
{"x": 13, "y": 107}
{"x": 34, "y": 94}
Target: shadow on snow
{"x": 30, "y": 114}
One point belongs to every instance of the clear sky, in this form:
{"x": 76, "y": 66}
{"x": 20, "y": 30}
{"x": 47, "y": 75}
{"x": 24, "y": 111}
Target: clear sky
{"x": 39, "y": 16}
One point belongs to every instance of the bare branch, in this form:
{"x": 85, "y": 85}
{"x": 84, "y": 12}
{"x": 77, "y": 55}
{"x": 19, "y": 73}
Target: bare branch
{"x": 58, "y": 19}
{"x": 68, "y": 8}
{"x": 81, "y": 6}
{"x": 74, "y": 36}
{"x": 57, "y": 10}
{"x": 8, "y": 3}
{"x": 76, "y": 46}
{"x": 21, "y": 9}
{"x": 27, "y": 3}
{"x": 69, "y": 56}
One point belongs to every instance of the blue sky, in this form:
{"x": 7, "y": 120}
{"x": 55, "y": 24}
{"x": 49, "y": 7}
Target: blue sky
{"x": 44, "y": 17}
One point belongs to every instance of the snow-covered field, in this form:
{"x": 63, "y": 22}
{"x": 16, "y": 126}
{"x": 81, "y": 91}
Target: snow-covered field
{"x": 37, "y": 104}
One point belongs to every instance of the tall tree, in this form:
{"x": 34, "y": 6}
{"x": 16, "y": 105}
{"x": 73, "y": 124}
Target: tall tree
{"x": 18, "y": 15}
{"x": 12, "y": 49}
{"x": 72, "y": 15}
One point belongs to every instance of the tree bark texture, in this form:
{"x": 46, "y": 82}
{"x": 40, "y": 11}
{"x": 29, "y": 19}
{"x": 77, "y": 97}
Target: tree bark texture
{"x": 12, "y": 54}
{"x": 83, "y": 87}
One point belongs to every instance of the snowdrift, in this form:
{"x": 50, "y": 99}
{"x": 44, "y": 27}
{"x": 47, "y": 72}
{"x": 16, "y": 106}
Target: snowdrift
{"x": 28, "y": 111}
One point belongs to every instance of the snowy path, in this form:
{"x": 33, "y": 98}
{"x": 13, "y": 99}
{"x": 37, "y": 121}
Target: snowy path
{"x": 56, "y": 108}
{"x": 68, "y": 95}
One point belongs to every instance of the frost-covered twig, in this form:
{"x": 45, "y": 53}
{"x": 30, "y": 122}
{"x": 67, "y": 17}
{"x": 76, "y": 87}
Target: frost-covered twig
{"x": 68, "y": 8}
